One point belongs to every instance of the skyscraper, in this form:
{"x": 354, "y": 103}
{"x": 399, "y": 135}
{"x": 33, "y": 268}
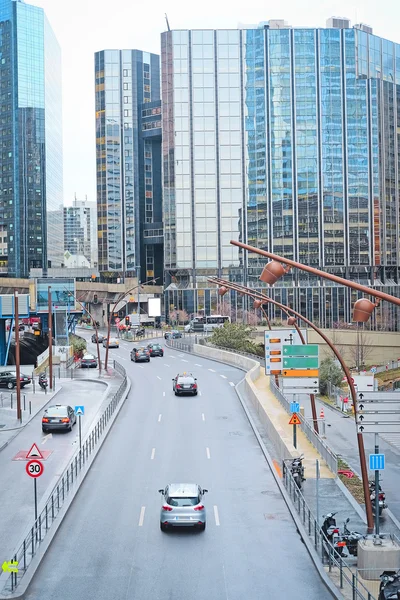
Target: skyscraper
{"x": 286, "y": 139}
{"x": 80, "y": 230}
{"x": 128, "y": 150}
{"x": 31, "y": 178}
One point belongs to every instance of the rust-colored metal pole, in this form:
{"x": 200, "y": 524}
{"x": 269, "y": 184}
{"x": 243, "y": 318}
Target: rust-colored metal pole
{"x": 360, "y": 439}
{"x": 50, "y": 334}
{"x": 346, "y": 282}
{"x": 17, "y": 357}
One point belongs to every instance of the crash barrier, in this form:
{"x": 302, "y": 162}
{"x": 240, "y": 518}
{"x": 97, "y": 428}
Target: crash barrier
{"x": 308, "y": 430}
{"x": 342, "y": 575}
{"x": 79, "y": 462}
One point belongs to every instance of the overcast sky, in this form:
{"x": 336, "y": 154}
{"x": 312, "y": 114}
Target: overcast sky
{"x": 84, "y": 26}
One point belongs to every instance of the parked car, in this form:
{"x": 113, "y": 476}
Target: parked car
{"x": 113, "y": 343}
{"x": 58, "y": 418}
{"x": 140, "y": 354}
{"x": 184, "y": 383}
{"x": 174, "y": 334}
{"x": 8, "y": 379}
{"x": 88, "y": 361}
{"x": 182, "y": 506}
{"x": 101, "y": 338}
{"x": 155, "y": 350}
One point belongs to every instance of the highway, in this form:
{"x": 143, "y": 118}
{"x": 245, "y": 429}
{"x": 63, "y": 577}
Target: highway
{"x": 110, "y": 545}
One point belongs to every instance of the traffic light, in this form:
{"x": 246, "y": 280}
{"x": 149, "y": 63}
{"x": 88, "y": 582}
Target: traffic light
{"x": 95, "y": 299}
{"x": 127, "y": 322}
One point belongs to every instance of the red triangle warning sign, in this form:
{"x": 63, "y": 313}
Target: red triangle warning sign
{"x": 295, "y": 419}
{"x": 34, "y": 452}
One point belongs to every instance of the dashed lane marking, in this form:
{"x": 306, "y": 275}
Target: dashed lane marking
{"x": 141, "y": 366}
{"x": 216, "y": 515}
{"x": 165, "y": 365}
{"x": 203, "y": 417}
{"x": 223, "y": 376}
{"x": 152, "y": 454}
{"x": 199, "y": 393}
{"x": 212, "y": 370}
{"x": 197, "y": 365}
{"x": 159, "y": 418}
{"x": 163, "y": 393}
{"x": 232, "y": 384}
{"x": 208, "y": 452}
{"x": 158, "y": 377}
{"x": 183, "y": 360}
{"x": 141, "y": 517}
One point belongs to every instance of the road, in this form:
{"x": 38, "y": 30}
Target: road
{"x": 110, "y": 544}
{"x": 340, "y": 432}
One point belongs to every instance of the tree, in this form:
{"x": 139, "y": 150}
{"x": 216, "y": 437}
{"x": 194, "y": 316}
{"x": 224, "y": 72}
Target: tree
{"x": 182, "y": 316}
{"x": 173, "y": 316}
{"x": 234, "y": 336}
{"x": 329, "y": 372}
{"x": 361, "y": 350}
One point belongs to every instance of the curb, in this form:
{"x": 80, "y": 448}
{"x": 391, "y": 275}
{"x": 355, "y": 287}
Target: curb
{"x": 34, "y": 565}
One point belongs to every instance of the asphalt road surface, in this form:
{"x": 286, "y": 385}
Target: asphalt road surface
{"x": 110, "y": 545}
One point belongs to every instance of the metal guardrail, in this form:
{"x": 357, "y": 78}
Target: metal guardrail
{"x": 323, "y": 449}
{"x": 29, "y": 547}
{"x": 346, "y": 578}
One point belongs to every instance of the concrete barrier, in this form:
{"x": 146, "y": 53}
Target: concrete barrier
{"x": 248, "y": 390}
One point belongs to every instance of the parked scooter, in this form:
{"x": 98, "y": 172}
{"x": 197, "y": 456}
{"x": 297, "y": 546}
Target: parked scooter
{"x": 297, "y": 470}
{"x": 382, "y": 497}
{"x": 331, "y": 532}
{"x": 389, "y": 588}
{"x": 43, "y": 381}
{"x": 140, "y": 332}
{"x": 351, "y": 538}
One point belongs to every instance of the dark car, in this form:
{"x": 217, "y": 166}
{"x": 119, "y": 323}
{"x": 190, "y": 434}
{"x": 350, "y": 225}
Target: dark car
{"x": 8, "y": 379}
{"x": 101, "y": 338}
{"x": 21, "y": 327}
{"x": 176, "y": 334}
{"x": 140, "y": 354}
{"x": 58, "y": 418}
{"x": 184, "y": 383}
{"x": 155, "y": 350}
{"x": 88, "y": 361}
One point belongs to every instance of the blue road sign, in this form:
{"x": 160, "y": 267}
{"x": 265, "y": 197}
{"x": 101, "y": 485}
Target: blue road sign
{"x": 79, "y": 410}
{"x": 376, "y": 462}
{"x": 294, "y": 407}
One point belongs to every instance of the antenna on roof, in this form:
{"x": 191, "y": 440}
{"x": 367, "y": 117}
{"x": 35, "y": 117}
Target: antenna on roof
{"x": 166, "y": 18}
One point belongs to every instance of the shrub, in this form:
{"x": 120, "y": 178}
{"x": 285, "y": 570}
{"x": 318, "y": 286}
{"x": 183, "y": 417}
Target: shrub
{"x": 78, "y": 345}
{"x": 235, "y": 336}
{"x": 329, "y": 372}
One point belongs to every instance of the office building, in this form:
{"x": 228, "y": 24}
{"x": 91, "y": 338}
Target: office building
{"x": 128, "y": 153}
{"x": 286, "y": 139}
{"x": 31, "y": 178}
{"x": 80, "y": 230}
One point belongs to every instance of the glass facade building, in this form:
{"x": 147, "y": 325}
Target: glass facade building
{"x": 128, "y": 155}
{"x": 80, "y": 230}
{"x": 31, "y": 177}
{"x": 286, "y": 139}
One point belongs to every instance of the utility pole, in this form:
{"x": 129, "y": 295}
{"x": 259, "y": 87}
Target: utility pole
{"x": 17, "y": 357}
{"x": 50, "y": 334}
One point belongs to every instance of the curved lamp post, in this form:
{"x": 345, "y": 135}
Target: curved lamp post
{"x": 95, "y": 326}
{"x": 121, "y": 297}
{"x": 360, "y": 440}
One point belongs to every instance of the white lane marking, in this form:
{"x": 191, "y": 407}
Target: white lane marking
{"x": 183, "y": 360}
{"x": 152, "y": 454}
{"x": 208, "y": 452}
{"x": 46, "y": 437}
{"x": 203, "y": 417}
{"x": 172, "y": 356}
{"x": 158, "y": 377}
{"x": 165, "y": 365}
{"x": 199, "y": 393}
{"x": 197, "y": 365}
{"x": 212, "y": 370}
{"x": 159, "y": 418}
{"x": 141, "y": 366}
{"x": 122, "y": 358}
{"x": 232, "y": 384}
{"x": 216, "y": 515}
{"x": 141, "y": 517}
{"x": 223, "y": 376}
{"x": 163, "y": 393}
{"x": 180, "y": 355}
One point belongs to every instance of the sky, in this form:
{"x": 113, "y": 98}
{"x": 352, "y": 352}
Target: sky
{"x": 83, "y": 27}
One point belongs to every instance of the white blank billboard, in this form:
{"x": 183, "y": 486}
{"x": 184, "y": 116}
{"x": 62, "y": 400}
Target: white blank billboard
{"x": 154, "y": 307}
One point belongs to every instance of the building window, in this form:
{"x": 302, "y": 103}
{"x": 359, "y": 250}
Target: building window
{"x": 126, "y": 99}
{"x": 127, "y": 113}
{"x": 127, "y": 72}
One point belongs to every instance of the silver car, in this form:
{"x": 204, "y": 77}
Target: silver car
{"x": 182, "y": 506}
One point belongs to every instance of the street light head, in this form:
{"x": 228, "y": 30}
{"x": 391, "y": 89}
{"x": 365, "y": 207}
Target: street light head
{"x": 273, "y": 271}
{"x": 362, "y": 310}
{"x": 257, "y": 304}
{"x": 291, "y": 321}
{"x": 222, "y": 290}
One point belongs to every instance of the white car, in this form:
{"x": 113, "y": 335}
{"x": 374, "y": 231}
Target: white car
{"x": 113, "y": 343}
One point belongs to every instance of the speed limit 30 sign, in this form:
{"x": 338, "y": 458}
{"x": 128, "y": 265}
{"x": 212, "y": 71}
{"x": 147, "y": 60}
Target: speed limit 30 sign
{"x": 34, "y": 468}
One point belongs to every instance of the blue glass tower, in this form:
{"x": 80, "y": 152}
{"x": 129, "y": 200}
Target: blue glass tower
{"x": 31, "y": 175}
{"x": 286, "y": 139}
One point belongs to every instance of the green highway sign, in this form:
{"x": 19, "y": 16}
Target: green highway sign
{"x": 300, "y": 350}
{"x": 291, "y": 362}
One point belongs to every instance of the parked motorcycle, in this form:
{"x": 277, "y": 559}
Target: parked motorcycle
{"x": 297, "y": 470}
{"x": 43, "y": 381}
{"x": 140, "y": 333}
{"x": 351, "y": 538}
{"x": 331, "y": 532}
{"x": 382, "y": 497}
{"x": 389, "y": 588}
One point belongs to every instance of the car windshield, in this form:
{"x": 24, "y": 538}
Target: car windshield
{"x": 57, "y": 411}
{"x": 156, "y": 346}
{"x": 177, "y": 501}
{"x": 88, "y": 357}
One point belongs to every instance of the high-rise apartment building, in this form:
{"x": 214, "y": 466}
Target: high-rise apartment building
{"x": 286, "y": 139}
{"x": 80, "y": 230}
{"x": 31, "y": 177}
{"x": 128, "y": 151}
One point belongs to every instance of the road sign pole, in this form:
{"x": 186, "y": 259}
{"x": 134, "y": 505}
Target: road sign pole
{"x": 295, "y": 436}
{"x": 35, "y": 496}
{"x": 317, "y": 487}
{"x": 80, "y": 432}
{"x": 376, "y": 488}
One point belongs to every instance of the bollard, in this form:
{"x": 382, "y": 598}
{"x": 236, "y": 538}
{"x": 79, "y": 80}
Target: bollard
{"x": 1, "y": 397}
{"x": 30, "y": 407}
{"x": 11, "y": 400}
{"x": 24, "y": 402}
